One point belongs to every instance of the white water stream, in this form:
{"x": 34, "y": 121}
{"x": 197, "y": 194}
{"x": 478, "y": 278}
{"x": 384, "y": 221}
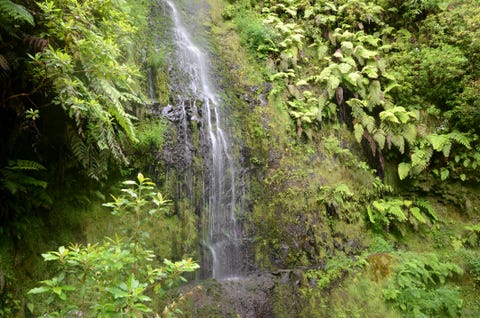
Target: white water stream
{"x": 221, "y": 233}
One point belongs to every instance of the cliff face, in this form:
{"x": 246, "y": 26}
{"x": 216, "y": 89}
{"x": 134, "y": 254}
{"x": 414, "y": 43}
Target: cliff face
{"x": 347, "y": 182}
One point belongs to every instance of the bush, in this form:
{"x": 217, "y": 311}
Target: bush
{"x": 112, "y": 278}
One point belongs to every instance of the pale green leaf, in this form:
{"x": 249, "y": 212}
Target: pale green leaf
{"x": 417, "y": 214}
{"x": 403, "y": 170}
{"x": 38, "y": 290}
{"x": 353, "y": 78}
{"x": 380, "y": 138}
{"x": 444, "y": 173}
{"x": 358, "y": 131}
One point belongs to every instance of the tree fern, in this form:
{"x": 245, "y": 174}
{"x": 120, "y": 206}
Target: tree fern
{"x": 10, "y": 11}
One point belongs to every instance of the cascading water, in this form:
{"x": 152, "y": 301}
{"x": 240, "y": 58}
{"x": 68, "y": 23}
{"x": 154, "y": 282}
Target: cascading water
{"x": 197, "y": 99}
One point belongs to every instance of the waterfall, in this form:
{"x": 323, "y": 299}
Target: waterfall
{"x": 196, "y": 98}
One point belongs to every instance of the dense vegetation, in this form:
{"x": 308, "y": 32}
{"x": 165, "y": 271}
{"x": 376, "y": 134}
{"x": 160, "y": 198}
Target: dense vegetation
{"x": 383, "y": 151}
{"x": 73, "y": 116}
{"x": 361, "y": 128}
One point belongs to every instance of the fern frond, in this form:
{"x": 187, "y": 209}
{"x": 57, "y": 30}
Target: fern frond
{"x": 4, "y": 65}
{"x": 36, "y": 43}
{"x": 410, "y": 133}
{"x": 14, "y": 180}
{"x": 461, "y": 138}
{"x": 397, "y": 211}
{"x": 427, "y": 208}
{"x": 438, "y": 142}
{"x": 80, "y": 150}
{"x": 421, "y": 158}
{"x": 415, "y": 211}
{"x": 18, "y": 13}
{"x": 115, "y": 106}
{"x": 25, "y": 165}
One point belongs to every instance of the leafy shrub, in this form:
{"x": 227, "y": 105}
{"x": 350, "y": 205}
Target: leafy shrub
{"x": 111, "y": 278}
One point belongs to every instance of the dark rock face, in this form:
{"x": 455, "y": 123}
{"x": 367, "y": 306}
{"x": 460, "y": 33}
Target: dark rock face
{"x": 252, "y": 295}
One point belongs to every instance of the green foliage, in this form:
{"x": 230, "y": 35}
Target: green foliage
{"x": 473, "y": 267}
{"x": 393, "y": 213}
{"x": 419, "y": 287}
{"x": 471, "y": 235}
{"x": 13, "y": 12}
{"x": 254, "y": 34}
{"x": 89, "y": 79}
{"x": 22, "y": 189}
{"x": 112, "y": 278}
{"x": 335, "y": 270}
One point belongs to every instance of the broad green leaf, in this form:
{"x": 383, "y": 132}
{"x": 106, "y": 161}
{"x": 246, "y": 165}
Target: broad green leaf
{"x": 117, "y": 292}
{"x": 344, "y": 68}
{"x": 444, "y": 173}
{"x": 353, "y": 78}
{"x": 403, "y": 170}
{"x": 380, "y": 138}
{"x": 371, "y": 71}
{"x": 38, "y": 290}
{"x": 50, "y": 257}
{"x": 410, "y": 133}
{"x": 364, "y": 53}
{"x": 375, "y": 93}
{"x": 347, "y": 46}
{"x": 358, "y": 130}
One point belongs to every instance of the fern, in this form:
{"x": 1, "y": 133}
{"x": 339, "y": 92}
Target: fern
{"x": 397, "y": 213}
{"x": 25, "y": 165}
{"x": 403, "y": 170}
{"x": 11, "y": 11}
{"x": 461, "y": 138}
{"x": 421, "y": 159}
{"x": 415, "y": 211}
{"x": 438, "y": 142}
{"x": 427, "y": 209}
{"x": 418, "y": 287}
{"x": 13, "y": 178}
{"x": 4, "y": 65}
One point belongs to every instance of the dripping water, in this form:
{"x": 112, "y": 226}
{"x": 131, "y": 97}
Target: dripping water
{"x": 196, "y": 98}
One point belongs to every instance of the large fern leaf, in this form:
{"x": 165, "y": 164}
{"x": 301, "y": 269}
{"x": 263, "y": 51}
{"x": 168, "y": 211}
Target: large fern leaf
{"x": 25, "y": 165}
{"x": 11, "y": 11}
{"x": 461, "y": 138}
{"x": 427, "y": 208}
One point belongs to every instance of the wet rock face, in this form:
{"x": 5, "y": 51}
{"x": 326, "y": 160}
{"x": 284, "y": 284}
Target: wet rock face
{"x": 247, "y": 297}
{"x": 252, "y": 295}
